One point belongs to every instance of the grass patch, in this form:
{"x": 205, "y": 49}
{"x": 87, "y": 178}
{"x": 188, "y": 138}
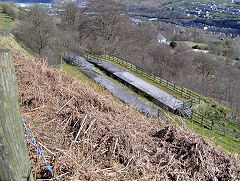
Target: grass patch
{"x": 223, "y": 15}
{"x": 5, "y": 20}
{"x": 77, "y": 73}
{"x": 227, "y": 144}
{"x": 11, "y": 43}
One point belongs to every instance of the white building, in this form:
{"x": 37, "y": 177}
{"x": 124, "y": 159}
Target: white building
{"x": 161, "y": 38}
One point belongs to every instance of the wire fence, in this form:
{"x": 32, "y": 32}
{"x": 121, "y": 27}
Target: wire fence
{"x": 222, "y": 127}
{"x": 202, "y": 120}
{"x": 38, "y": 149}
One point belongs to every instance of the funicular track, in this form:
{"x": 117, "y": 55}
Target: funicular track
{"x": 183, "y": 108}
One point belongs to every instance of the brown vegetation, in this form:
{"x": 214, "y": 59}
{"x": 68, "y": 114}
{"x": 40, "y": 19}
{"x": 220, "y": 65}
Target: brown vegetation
{"x": 89, "y": 136}
{"x": 35, "y": 29}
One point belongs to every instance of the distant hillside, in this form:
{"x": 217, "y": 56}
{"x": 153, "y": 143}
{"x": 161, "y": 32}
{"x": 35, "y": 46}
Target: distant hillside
{"x": 30, "y": 1}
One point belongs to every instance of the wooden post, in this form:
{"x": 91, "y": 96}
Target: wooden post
{"x": 14, "y": 161}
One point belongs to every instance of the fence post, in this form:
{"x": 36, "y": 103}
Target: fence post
{"x": 14, "y": 161}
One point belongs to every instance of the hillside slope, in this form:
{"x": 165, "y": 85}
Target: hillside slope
{"x": 88, "y": 135}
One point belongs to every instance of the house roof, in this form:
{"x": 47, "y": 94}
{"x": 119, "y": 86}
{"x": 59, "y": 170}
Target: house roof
{"x": 160, "y": 37}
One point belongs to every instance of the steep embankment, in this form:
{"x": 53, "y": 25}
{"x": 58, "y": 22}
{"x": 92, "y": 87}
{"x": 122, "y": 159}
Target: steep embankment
{"x": 89, "y": 135}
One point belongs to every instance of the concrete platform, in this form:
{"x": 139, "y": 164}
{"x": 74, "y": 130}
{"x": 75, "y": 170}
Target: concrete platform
{"x": 153, "y": 93}
{"x": 79, "y": 60}
{"x": 120, "y": 93}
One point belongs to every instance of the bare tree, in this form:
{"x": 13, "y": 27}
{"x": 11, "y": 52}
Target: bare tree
{"x": 104, "y": 20}
{"x": 70, "y": 14}
{"x": 35, "y": 29}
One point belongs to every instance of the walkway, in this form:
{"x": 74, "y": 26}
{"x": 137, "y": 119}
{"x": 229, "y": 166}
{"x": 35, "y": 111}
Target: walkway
{"x": 150, "y": 91}
{"x": 120, "y": 93}
{"x": 116, "y": 91}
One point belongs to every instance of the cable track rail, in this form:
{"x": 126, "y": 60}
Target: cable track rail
{"x": 185, "y": 108}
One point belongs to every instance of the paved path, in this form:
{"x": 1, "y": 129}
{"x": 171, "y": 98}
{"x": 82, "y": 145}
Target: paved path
{"x": 116, "y": 91}
{"x": 154, "y": 93}
{"x": 81, "y": 61}
{"x": 120, "y": 93}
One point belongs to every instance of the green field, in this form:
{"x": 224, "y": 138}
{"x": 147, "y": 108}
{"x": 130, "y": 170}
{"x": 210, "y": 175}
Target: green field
{"x": 5, "y": 20}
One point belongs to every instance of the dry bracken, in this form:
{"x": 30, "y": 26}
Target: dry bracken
{"x": 90, "y": 136}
